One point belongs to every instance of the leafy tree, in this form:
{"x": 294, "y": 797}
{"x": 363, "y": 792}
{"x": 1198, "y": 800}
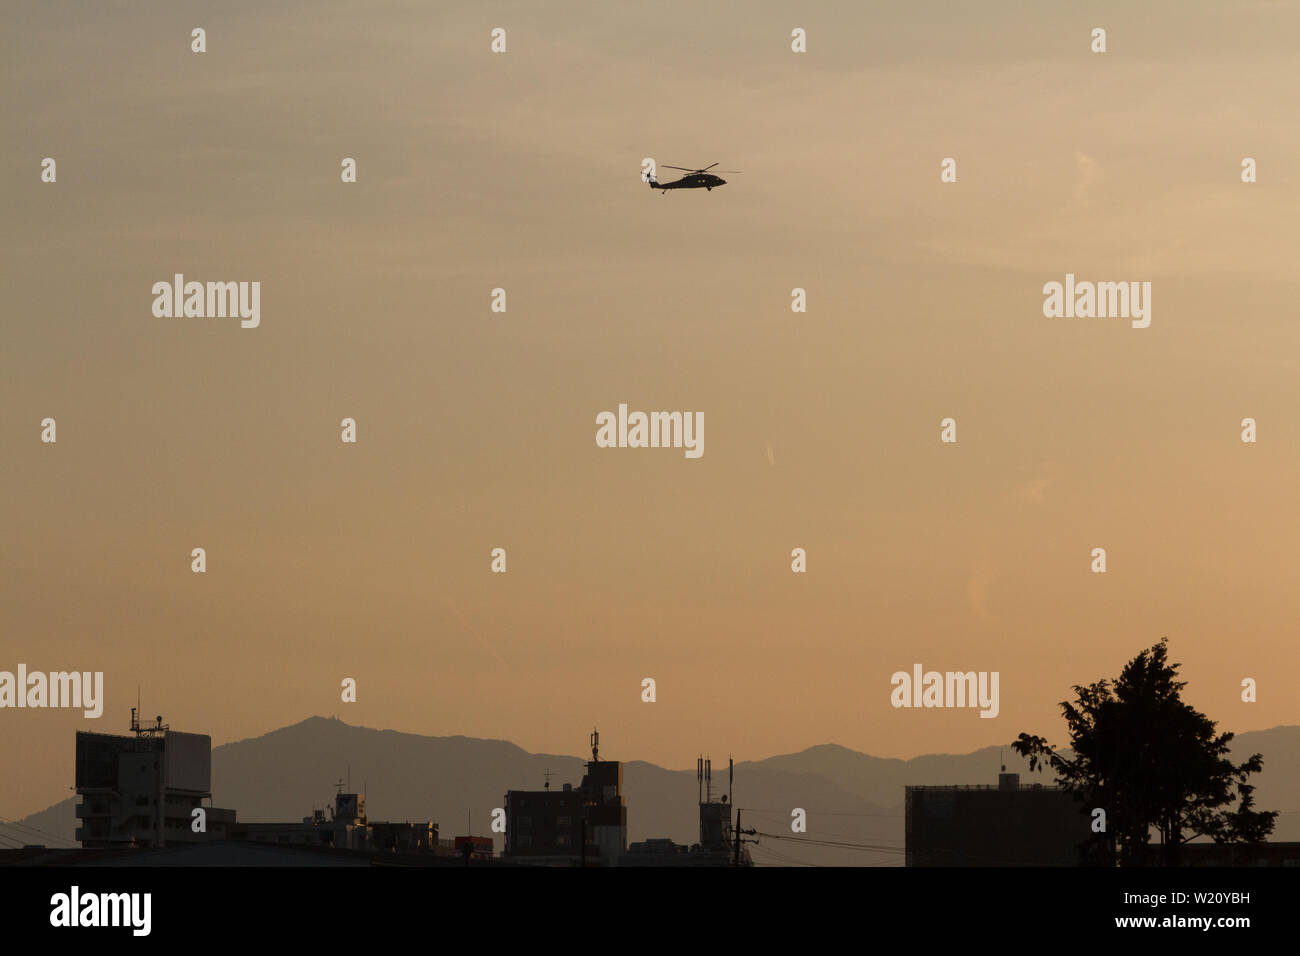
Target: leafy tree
{"x": 1153, "y": 763}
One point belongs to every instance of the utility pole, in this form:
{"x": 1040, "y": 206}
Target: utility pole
{"x": 739, "y": 840}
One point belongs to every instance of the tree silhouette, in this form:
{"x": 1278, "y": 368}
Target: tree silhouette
{"x": 1152, "y": 762}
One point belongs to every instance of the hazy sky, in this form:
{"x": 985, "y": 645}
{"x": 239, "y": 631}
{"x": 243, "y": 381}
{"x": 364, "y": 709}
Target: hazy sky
{"x": 476, "y": 430}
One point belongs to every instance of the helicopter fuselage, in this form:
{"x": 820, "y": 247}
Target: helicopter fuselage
{"x": 693, "y": 181}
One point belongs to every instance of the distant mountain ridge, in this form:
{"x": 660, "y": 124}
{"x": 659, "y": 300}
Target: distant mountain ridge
{"x": 849, "y": 797}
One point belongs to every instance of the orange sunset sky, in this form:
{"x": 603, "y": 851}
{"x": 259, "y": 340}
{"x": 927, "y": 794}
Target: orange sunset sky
{"x": 476, "y": 429}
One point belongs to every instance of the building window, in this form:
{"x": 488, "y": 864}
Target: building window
{"x": 563, "y": 822}
{"x": 564, "y": 840}
{"x": 523, "y": 842}
{"x": 523, "y": 822}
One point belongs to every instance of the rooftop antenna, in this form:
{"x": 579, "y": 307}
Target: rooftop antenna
{"x": 1004, "y": 766}
{"x": 151, "y": 730}
{"x": 595, "y": 745}
{"x": 708, "y": 780}
{"x": 547, "y": 774}
{"x": 699, "y": 777}
{"x": 731, "y": 776}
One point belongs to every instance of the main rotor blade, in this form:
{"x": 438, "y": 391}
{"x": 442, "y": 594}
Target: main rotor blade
{"x": 704, "y": 170}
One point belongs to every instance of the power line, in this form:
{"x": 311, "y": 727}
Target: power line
{"x": 809, "y": 841}
{"x": 891, "y": 864}
{"x": 850, "y": 837}
{"x": 35, "y": 830}
{"x": 785, "y": 859}
{"x": 30, "y": 829}
{"x": 828, "y": 813}
{"x": 739, "y": 832}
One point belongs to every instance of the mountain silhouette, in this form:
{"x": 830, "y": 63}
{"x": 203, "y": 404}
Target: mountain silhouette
{"x": 849, "y": 797}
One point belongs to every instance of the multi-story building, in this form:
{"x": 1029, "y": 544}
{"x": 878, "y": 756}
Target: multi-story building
{"x": 346, "y": 827}
{"x": 549, "y": 828}
{"x": 480, "y": 848}
{"x": 586, "y": 824}
{"x": 142, "y": 790}
{"x": 1006, "y": 825}
{"x": 606, "y": 812}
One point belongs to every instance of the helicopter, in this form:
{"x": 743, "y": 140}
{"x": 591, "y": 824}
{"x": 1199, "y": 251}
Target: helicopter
{"x": 694, "y": 179}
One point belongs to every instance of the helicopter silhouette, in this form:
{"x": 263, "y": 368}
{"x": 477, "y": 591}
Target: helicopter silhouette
{"x": 694, "y": 179}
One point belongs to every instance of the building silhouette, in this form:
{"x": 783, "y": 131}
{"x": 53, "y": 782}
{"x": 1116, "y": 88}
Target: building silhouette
{"x": 144, "y": 792}
{"x": 587, "y": 825}
{"x": 582, "y": 825}
{"x": 1016, "y": 825}
{"x": 1007, "y": 825}
{"x": 478, "y": 847}
{"x": 345, "y": 827}
{"x": 715, "y": 847}
{"x": 141, "y": 789}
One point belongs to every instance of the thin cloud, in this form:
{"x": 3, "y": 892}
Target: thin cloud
{"x": 1035, "y": 489}
{"x": 464, "y": 624}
